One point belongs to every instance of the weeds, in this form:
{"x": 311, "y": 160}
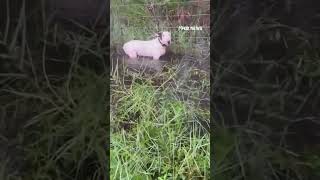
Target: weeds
{"x": 158, "y": 120}
{"x": 263, "y": 111}
{"x": 153, "y": 134}
{"x": 53, "y": 102}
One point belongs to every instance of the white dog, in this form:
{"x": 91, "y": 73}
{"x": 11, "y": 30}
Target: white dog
{"x": 153, "y": 48}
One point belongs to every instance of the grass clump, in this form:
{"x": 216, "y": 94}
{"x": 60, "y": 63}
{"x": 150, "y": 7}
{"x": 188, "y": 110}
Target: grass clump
{"x": 157, "y": 142}
{"x": 66, "y": 139}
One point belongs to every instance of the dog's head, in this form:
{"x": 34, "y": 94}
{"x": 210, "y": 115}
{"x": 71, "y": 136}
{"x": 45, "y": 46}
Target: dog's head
{"x": 164, "y": 38}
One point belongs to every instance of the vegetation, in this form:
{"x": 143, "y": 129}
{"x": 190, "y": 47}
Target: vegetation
{"x": 264, "y": 93}
{"x": 54, "y": 106}
{"x": 155, "y": 133}
{"x": 159, "y": 121}
{"x": 54, "y": 118}
{"x": 54, "y": 100}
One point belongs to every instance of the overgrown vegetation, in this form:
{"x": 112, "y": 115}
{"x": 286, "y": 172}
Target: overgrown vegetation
{"x": 159, "y": 120}
{"x": 54, "y": 124}
{"x": 140, "y": 19}
{"x": 156, "y": 135}
{"x": 266, "y": 106}
{"x": 53, "y": 100}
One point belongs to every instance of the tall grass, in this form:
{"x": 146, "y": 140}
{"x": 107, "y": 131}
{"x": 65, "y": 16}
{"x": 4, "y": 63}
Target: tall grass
{"x": 155, "y": 133}
{"x": 158, "y": 121}
{"x": 266, "y": 122}
{"x": 65, "y": 138}
{"x": 54, "y": 122}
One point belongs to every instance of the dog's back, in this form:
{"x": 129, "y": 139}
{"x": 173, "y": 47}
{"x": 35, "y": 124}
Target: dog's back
{"x": 141, "y": 48}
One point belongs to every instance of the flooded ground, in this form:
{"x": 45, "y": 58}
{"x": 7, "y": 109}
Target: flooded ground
{"x": 196, "y": 61}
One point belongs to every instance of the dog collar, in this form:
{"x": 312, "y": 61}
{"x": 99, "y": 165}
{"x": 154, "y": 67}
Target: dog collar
{"x": 161, "y": 43}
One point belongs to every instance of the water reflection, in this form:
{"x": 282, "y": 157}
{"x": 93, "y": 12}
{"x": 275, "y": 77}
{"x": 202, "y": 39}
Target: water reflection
{"x": 183, "y": 63}
{"x": 144, "y": 64}
{"x": 139, "y": 65}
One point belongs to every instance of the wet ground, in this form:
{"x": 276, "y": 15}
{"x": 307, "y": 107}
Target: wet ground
{"x": 199, "y": 61}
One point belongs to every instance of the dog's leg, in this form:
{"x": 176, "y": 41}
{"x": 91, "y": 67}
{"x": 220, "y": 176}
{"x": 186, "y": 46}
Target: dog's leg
{"x": 156, "y": 57}
{"x": 132, "y": 55}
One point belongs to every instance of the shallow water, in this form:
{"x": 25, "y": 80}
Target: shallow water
{"x": 145, "y": 64}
